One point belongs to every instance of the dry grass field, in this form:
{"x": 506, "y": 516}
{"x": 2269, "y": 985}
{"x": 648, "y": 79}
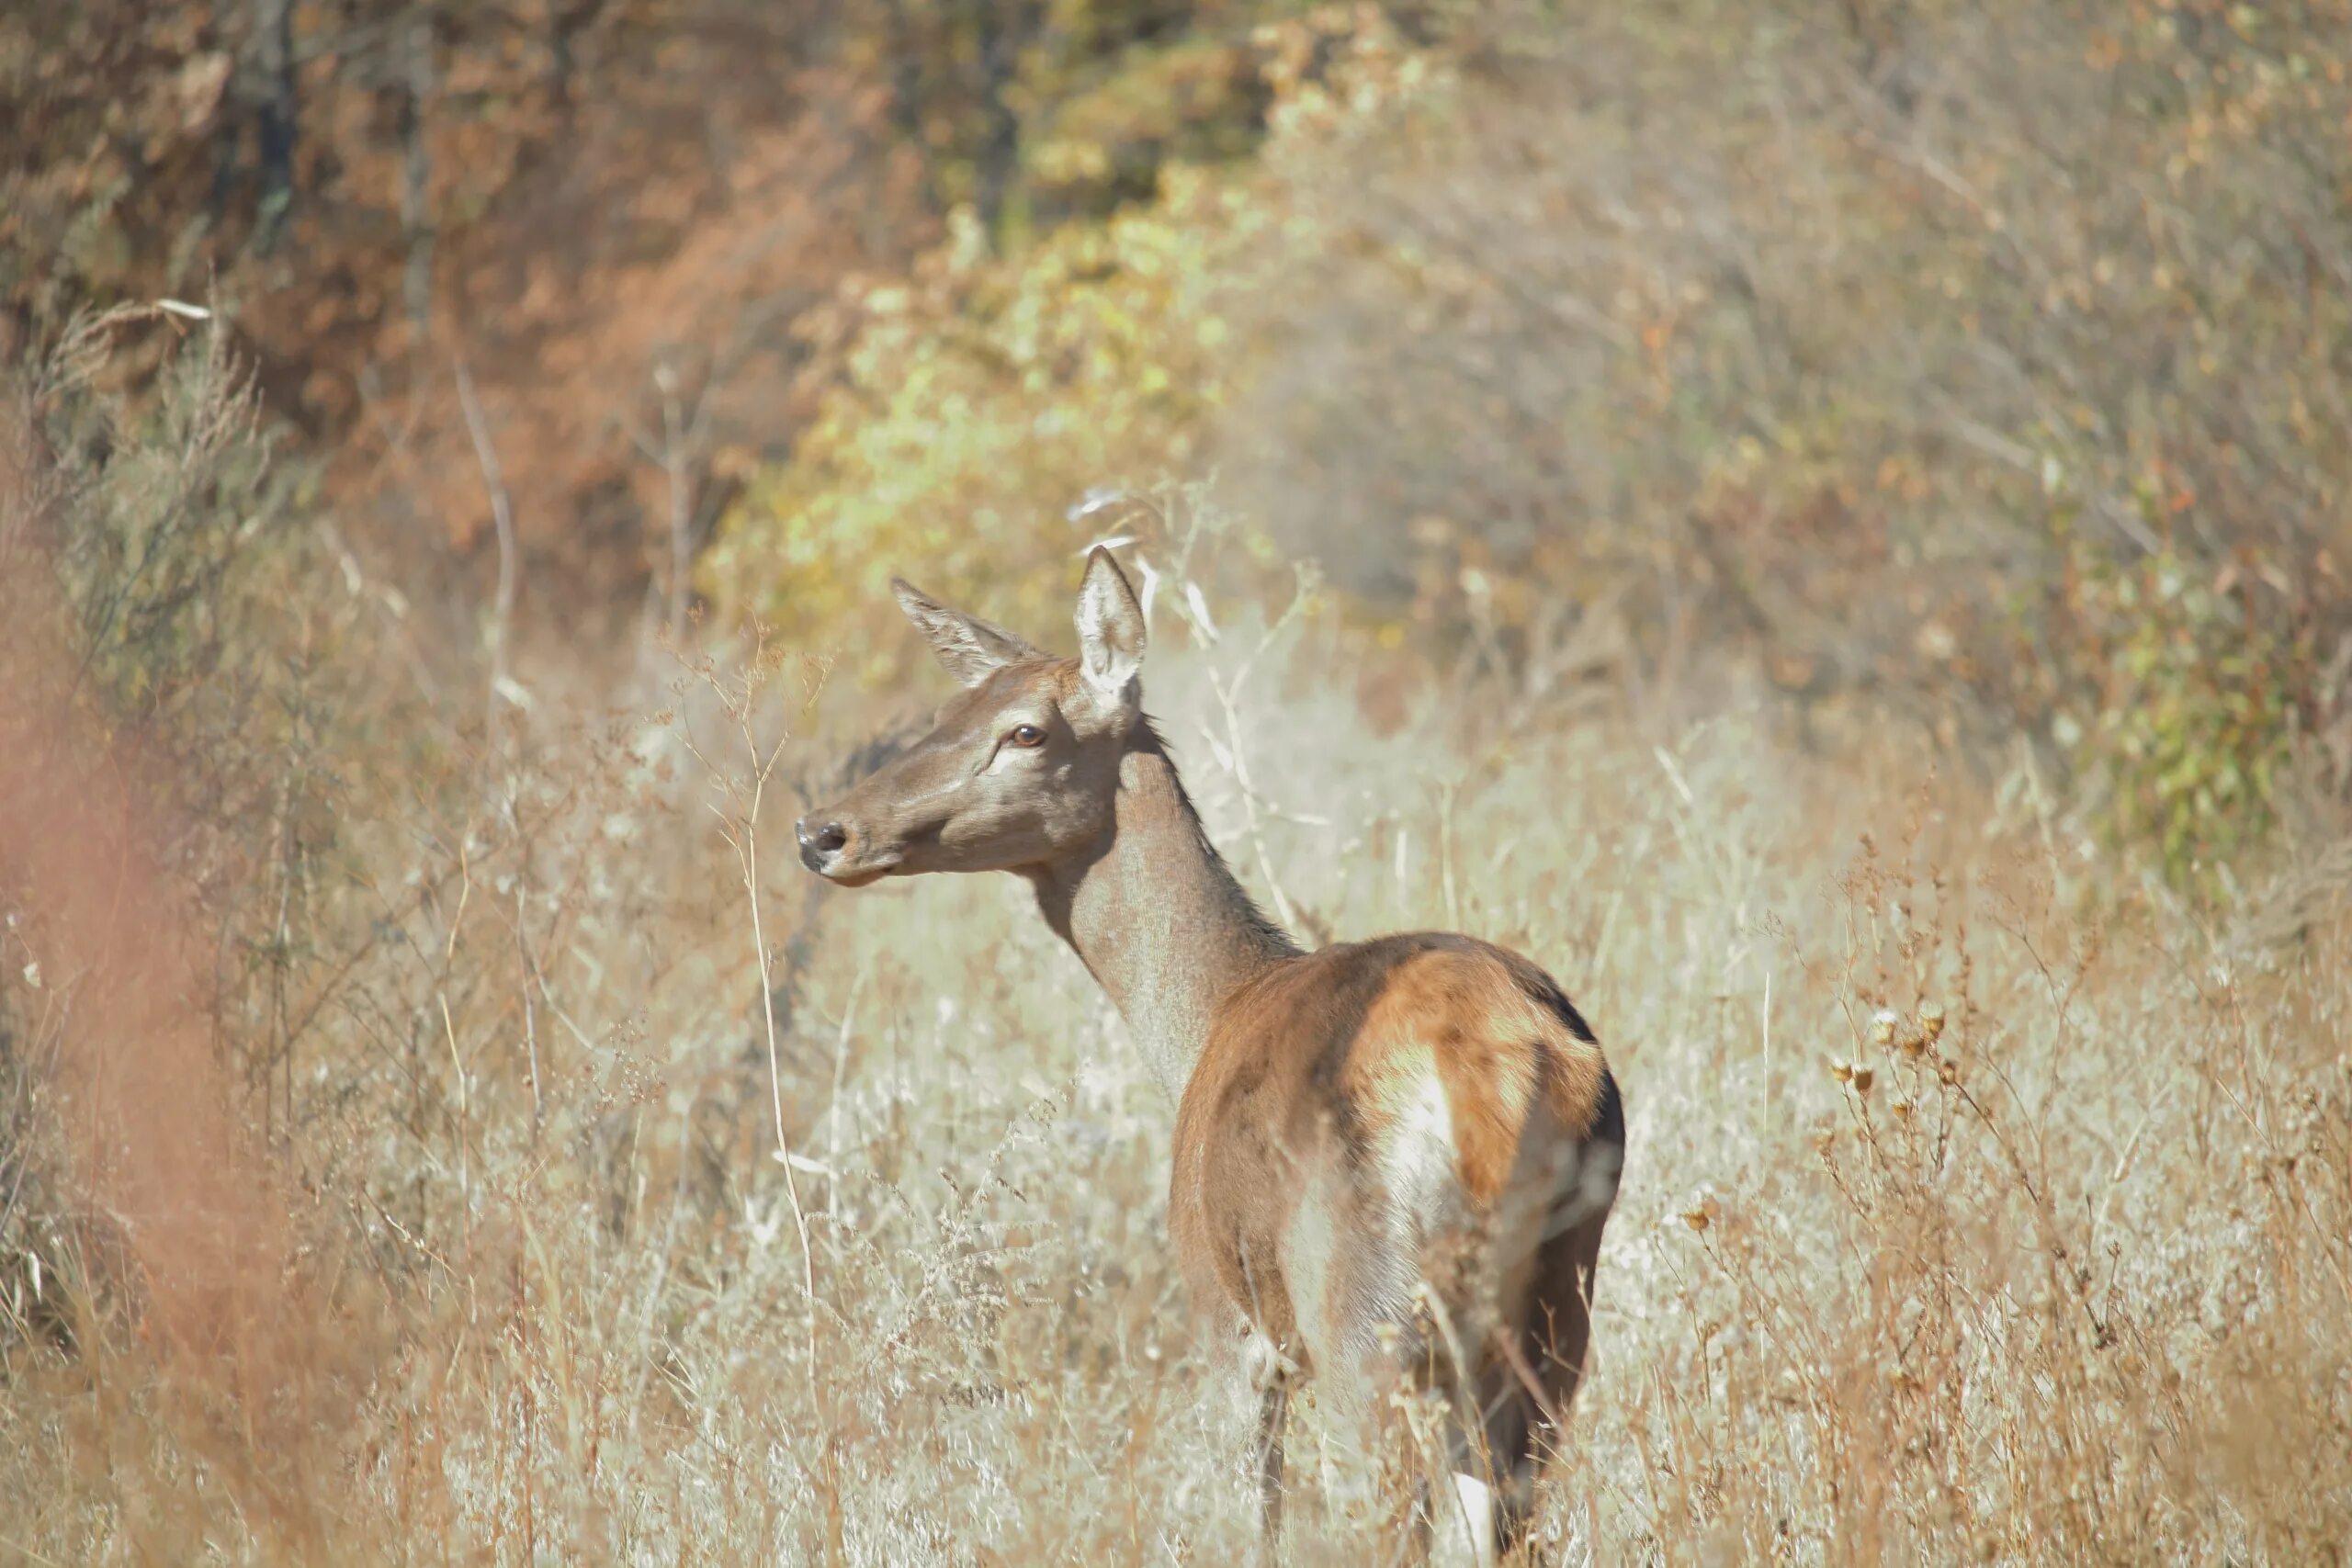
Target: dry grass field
{"x": 1982, "y": 1205}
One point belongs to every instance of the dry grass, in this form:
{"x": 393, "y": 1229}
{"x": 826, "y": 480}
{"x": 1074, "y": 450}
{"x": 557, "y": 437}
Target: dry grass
{"x": 2064, "y": 1278}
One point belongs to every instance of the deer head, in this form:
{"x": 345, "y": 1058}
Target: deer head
{"x": 1020, "y": 769}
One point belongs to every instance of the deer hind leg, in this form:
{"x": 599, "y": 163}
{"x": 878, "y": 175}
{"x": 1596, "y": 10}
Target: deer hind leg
{"x": 1473, "y": 1516}
{"x": 1431, "y": 1472}
{"x": 1437, "y": 1477}
{"x": 1384, "y": 1346}
{"x": 1432, "y": 1494}
{"x": 1510, "y": 1470}
{"x": 1543, "y": 1372}
{"x": 1403, "y": 1513}
{"x": 1467, "y": 1523}
{"x": 1273, "y": 1409}
{"x": 1263, "y": 1374}
{"x": 1372, "y": 1368}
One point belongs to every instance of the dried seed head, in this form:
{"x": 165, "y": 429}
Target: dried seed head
{"x": 1902, "y": 1109}
{"x": 1862, "y": 1077}
{"x": 1701, "y": 1208}
{"x": 1842, "y": 1070}
{"x": 1931, "y": 1020}
{"x": 1883, "y": 1027}
{"x": 1948, "y": 1071}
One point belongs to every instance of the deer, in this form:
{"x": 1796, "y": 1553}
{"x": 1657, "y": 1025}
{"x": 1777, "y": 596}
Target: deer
{"x": 1393, "y": 1158}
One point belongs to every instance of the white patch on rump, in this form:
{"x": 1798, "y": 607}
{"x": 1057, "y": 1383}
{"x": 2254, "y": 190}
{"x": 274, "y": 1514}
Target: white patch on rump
{"x": 1420, "y": 1161}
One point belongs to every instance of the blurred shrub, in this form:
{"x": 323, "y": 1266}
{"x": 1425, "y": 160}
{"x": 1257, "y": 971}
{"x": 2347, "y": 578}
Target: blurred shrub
{"x": 2199, "y": 705}
{"x": 1817, "y": 347}
{"x": 180, "y": 596}
{"x": 157, "y": 504}
{"x": 1198, "y": 100}
{"x": 979, "y": 400}
{"x": 1034, "y": 112}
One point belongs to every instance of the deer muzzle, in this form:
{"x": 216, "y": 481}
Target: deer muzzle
{"x": 836, "y": 849}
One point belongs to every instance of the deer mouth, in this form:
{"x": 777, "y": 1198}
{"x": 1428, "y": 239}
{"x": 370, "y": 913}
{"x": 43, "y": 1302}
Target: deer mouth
{"x": 850, "y": 871}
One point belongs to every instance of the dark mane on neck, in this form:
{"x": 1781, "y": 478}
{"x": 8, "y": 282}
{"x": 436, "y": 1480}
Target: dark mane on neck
{"x": 1149, "y": 741}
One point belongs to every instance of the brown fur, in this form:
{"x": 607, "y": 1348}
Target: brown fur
{"x": 1318, "y": 1061}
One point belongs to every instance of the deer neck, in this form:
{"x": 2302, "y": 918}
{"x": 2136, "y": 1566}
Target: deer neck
{"x": 1157, "y": 917}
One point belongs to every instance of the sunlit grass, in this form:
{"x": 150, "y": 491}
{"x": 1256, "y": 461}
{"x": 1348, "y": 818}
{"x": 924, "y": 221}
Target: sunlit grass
{"x": 1974, "y": 1210}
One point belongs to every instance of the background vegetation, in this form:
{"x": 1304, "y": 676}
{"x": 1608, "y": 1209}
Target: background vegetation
{"x": 1825, "y": 526}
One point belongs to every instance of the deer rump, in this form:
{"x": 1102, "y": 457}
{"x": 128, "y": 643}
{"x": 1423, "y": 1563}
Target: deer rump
{"x": 1392, "y": 1161}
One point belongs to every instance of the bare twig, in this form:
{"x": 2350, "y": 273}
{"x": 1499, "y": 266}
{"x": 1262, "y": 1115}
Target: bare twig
{"x": 1229, "y": 697}
{"x": 530, "y": 1010}
{"x": 738, "y": 825}
{"x": 673, "y": 454}
{"x": 501, "y": 512}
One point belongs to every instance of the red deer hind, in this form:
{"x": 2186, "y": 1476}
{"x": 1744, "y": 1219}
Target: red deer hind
{"x": 1393, "y": 1158}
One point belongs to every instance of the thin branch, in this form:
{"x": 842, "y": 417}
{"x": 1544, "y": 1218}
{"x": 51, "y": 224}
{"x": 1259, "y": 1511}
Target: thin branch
{"x": 501, "y": 512}
{"x": 1229, "y": 696}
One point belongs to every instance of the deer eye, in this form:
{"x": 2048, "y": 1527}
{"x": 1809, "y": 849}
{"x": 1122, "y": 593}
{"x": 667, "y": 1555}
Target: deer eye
{"x": 1026, "y": 735}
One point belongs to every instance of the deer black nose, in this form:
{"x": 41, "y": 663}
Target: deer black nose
{"x": 819, "y": 844}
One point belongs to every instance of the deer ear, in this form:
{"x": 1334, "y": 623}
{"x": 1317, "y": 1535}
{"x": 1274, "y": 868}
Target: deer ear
{"x": 970, "y": 648}
{"x": 1110, "y": 630}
